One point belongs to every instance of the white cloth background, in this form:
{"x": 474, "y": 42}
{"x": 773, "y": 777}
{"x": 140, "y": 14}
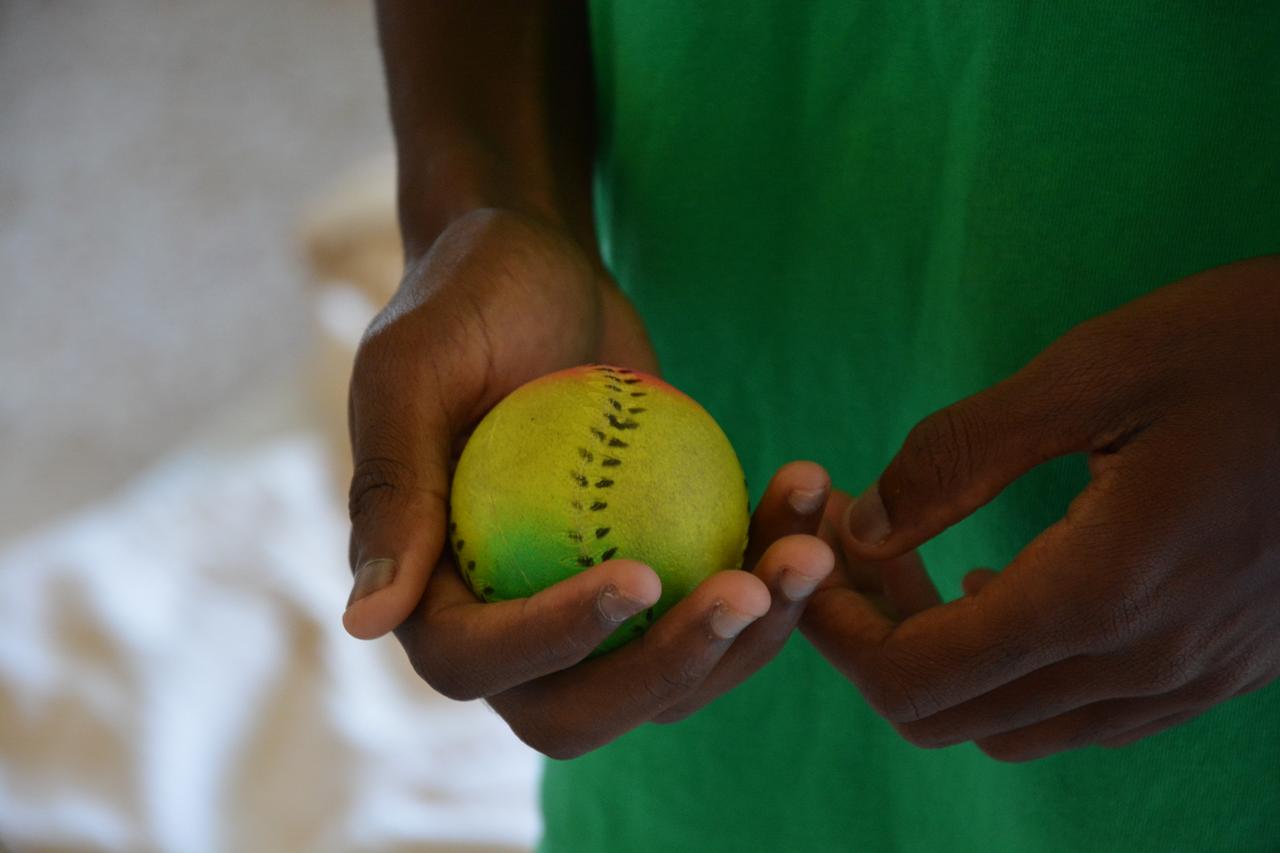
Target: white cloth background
{"x": 173, "y": 672}
{"x": 174, "y": 676}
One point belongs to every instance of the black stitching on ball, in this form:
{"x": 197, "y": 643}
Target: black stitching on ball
{"x": 638, "y": 394}
{"x": 580, "y": 479}
{"x": 610, "y": 462}
{"x": 630, "y": 381}
{"x": 637, "y": 410}
{"x": 648, "y": 615}
{"x": 586, "y": 562}
{"x": 603, "y": 483}
{"x": 576, "y": 504}
{"x": 599, "y": 433}
{"x": 471, "y": 565}
{"x": 602, "y": 532}
{"x": 608, "y": 555}
{"x": 453, "y": 527}
{"x": 619, "y": 424}
{"x": 617, "y": 442}
{"x": 575, "y": 535}
{"x": 488, "y": 590}
{"x": 457, "y": 546}
{"x": 617, "y": 407}
{"x": 598, "y": 505}
{"x": 613, "y": 387}
{"x": 585, "y": 454}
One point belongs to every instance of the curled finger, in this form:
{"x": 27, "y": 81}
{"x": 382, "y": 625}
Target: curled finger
{"x": 571, "y": 712}
{"x": 467, "y": 649}
{"x": 791, "y": 568}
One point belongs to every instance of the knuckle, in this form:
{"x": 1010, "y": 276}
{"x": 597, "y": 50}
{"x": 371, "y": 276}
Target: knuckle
{"x": 1177, "y": 662}
{"x": 664, "y": 684}
{"x": 379, "y": 346}
{"x": 1123, "y": 623}
{"x": 896, "y": 705}
{"x": 904, "y": 689}
{"x": 566, "y": 646}
{"x": 449, "y": 681}
{"x": 1094, "y": 729}
{"x": 375, "y": 481}
{"x": 940, "y": 449}
{"x": 1130, "y": 614}
{"x": 546, "y": 739}
{"x": 898, "y": 697}
{"x": 1008, "y": 750}
{"x": 440, "y": 672}
{"x": 550, "y": 649}
{"x": 1244, "y": 672}
{"x": 925, "y": 736}
{"x": 1227, "y": 681}
{"x": 380, "y": 361}
{"x": 673, "y": 715}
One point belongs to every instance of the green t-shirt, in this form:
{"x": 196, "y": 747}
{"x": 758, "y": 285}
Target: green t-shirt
{"x": 837, "y": 217}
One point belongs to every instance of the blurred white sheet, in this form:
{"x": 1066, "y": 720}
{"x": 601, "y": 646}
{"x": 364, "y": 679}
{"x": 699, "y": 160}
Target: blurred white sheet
{"x": 174, "y": 676}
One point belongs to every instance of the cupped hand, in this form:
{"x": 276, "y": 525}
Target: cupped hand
{"x": 529, "y": 657}
{"x": 1150, "y": 602}
{"x": 500, "y": 299}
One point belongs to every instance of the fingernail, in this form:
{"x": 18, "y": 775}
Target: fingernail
{"x": 371, "y": 577}
{"x": 727, "y": 623}
{"x": 806, "y": 501}
{"x": 866, "y": 518}
{"x": 796, "y": 586}
{"x": 616, "y": 607}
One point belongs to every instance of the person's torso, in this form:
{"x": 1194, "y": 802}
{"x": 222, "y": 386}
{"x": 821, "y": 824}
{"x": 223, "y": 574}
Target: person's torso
{"x": 838, "y": 217}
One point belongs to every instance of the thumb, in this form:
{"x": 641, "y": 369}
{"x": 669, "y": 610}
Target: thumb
{"x": 956, "y": 460}
{"x": 398, "y": 500}
{"x": 398, "y": 513}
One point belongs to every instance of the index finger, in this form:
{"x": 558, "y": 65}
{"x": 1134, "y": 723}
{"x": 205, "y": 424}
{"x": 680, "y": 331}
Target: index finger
{"x": 948, "y": 654}
{"x": 403, "y": 414}
{"x": 467, "y": 649}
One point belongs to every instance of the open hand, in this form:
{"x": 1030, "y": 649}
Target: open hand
{"x": 1153, "y": 600}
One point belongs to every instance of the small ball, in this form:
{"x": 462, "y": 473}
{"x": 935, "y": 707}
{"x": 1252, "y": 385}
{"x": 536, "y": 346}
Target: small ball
{"x": 591, "y": 464}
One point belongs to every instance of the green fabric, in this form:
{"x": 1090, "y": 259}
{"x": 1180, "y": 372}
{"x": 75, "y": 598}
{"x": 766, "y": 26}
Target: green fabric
{"x": 837, "y": 217}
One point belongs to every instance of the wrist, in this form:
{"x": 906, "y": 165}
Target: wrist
{"x": 442, "y": 182}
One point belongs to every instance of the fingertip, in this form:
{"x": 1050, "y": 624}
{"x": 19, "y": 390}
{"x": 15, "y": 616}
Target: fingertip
{"x": 363, "y": 621}
{"x": 804, "y": 473}
{"x": 866, "y": 522}
{"x": 975, "y": 580}
{"x": 802, "y": 552}
{"x": 750, "y": 596}
{"x": 384, "y": 592}
{"x": 738, "y": 590}
{"x": 833, "y": 515}
{"x": 632, "y": 579}
{"x": 866, "y": 533}
{"x": 806, "y": 486}
{"x": 795, "y": 565}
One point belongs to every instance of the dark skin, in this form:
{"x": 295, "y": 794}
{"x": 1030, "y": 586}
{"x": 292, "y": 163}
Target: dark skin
{"x": 1153, "y": 600}
{"x": 1150, "y": 602}
{"x": 503, "y": 284}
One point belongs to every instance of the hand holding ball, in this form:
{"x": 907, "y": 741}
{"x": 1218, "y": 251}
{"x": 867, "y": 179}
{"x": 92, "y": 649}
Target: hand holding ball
{"x": 591, "y": 464}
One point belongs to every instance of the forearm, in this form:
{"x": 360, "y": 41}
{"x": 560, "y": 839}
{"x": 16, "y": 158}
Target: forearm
{"x": 492, "y": 106}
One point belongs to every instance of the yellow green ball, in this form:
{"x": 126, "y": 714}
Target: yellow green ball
{"x": 591, "y": 464}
